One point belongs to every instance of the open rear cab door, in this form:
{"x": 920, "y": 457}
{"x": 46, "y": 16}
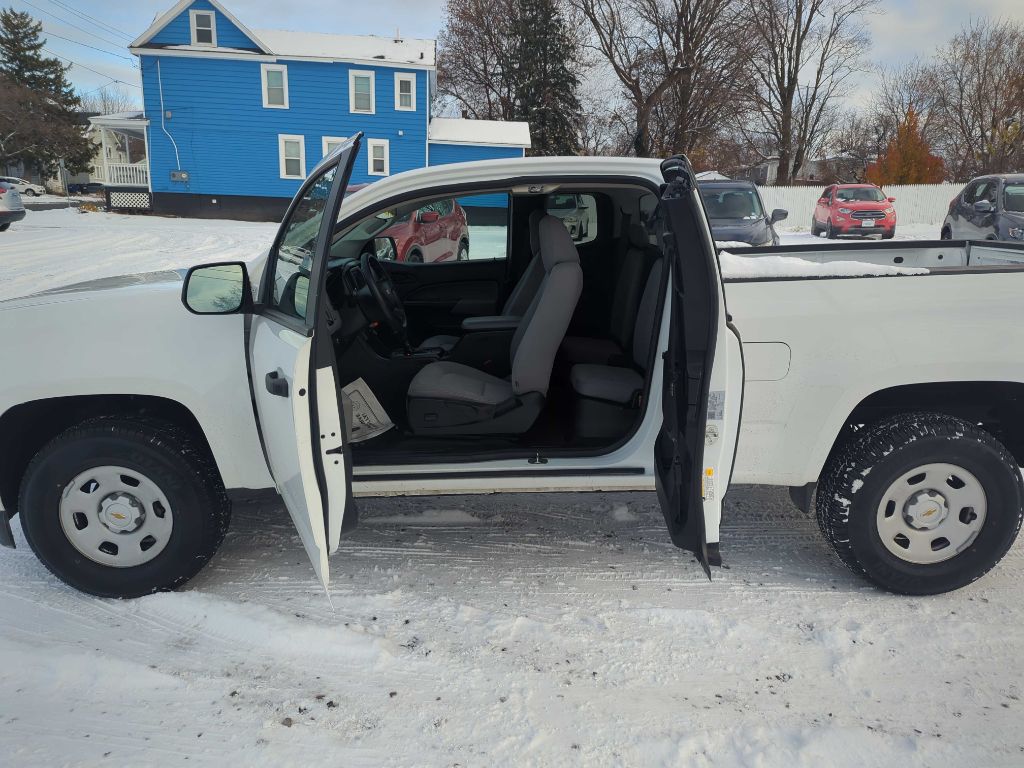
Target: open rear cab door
{"x": 292, "y": 373}
{"x": 703, "y": 376}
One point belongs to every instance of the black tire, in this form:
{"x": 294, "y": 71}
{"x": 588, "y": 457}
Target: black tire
{"x": 414, "y": 257}
{"x": 889, "y": 235}
{"x": 815, "y": 229}
{"x": 463, "y": 252}
{"x": 946, "y": 234}
{"x": 5, "y": 227}
{"x": 167, "y": 455}
{"x": 858, "y": 475}
{"x": 830, "y": 231}
{"x": 31, "y": 192}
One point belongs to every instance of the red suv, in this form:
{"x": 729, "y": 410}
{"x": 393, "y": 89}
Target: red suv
{"x": 854, "y": 209}
{"x": 436, "y": 232}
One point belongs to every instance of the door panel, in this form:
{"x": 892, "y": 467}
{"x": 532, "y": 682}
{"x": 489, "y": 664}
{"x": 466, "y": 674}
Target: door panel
{"x": 703, "y": 377}
{"x": 284, "y": 355}
{"x": 439, "y": 296}
{"x": 292, "y": 368}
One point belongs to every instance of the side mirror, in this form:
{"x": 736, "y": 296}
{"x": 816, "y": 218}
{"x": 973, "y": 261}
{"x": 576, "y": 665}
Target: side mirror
{"x": 779, "y": 214}
{"x": 427, "y": 217}
{"x": 216, "y": 289}
{"x": 384, "y": 249}
{"x": 892, "y": 199}
{"x": 983, "y": 206}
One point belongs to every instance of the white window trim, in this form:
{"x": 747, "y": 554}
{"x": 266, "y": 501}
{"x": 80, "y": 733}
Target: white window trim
{"x": 352, "y": 74}
{"x": 283, "y": 68}
{"x": 370, "y": 144}
{"x": 401, "y": 77}
{"x": 281, "y": 139}
{"x": 213, "y": 27}
{"x": 331, "y": 139}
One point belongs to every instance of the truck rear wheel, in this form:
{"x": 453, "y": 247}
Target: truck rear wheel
{"x": 123, "y": 508}
{"x": 921, "y": 503}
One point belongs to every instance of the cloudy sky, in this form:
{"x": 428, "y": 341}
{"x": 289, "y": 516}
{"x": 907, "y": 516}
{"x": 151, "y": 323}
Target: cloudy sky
{"x": 903, "y": 30}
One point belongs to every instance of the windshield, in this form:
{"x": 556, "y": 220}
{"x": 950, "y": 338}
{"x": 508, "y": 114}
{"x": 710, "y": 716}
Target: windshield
{"x": 1013, "y": 198}
{"x": 732, "y": 203}
{"x": 860, "y": 194}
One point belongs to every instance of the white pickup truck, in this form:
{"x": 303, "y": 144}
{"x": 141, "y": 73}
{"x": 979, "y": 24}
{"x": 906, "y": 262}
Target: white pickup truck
{"x": 637, "y": 357}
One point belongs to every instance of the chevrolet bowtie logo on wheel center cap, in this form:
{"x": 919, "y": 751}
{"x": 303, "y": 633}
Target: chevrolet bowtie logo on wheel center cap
{"x": 926, "y": 509}
{"x": 121, "y": 512}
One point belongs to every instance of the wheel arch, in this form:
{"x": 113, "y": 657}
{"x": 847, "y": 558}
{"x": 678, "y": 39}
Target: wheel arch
{"x": 997, "y": 406}
{"x": 27, "y": 427}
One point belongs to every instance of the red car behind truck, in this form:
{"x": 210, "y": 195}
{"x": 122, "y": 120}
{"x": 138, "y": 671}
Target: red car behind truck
{"x": 854, "y": 209}
{"x": 436, "y": 232}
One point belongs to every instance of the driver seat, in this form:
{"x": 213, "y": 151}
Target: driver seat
{"x": 447, "y": 398}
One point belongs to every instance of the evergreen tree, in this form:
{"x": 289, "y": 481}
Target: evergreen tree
{"x": 548, "y": 83}
{"x": 908, "y": 159}
{"x": 42, "y": 124}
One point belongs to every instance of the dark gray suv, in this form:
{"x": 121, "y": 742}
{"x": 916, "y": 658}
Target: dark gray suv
{"x": 988, "y": 208}
{"x": 736, "y": 213}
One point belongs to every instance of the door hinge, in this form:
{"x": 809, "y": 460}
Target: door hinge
{"x": 538, "y": 459}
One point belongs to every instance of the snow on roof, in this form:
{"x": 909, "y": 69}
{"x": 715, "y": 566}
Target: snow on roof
{"x": 456, "y": 130}
{"x": 368, "y": 48}
{"x": 712, "y": 176}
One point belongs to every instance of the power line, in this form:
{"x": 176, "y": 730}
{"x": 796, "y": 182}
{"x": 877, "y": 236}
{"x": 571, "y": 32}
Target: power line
{"x": 83, "y": 66}
{"x": 72, "y": 24}
{"x": 86, "y": 45}
{"x": 92, "y": 20}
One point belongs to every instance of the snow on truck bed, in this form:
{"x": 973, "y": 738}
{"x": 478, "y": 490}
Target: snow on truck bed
{"x": 737, "y": 265}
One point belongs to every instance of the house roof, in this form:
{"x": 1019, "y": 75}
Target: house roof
{"x": 171, "y": 14}
{"x": 301, "y": 45}
{"x": 454, "y": 130}
{"x": 369, "y": 48}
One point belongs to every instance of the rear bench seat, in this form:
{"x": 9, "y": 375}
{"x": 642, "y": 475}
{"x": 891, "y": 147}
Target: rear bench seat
{"x": 628, "y": 285}
{"x": 608, "y": 396}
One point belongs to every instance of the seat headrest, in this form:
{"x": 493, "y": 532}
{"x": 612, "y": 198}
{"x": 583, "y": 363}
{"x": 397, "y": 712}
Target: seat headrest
{"x": 638, "y": 237}
{"x": 535, "y": 217}
{"x": 556, "y": 246}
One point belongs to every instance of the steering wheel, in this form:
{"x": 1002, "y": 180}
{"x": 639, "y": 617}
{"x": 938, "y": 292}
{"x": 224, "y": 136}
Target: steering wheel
{"x": 379, "y": 284}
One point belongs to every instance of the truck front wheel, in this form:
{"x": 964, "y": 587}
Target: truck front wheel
{"x": 123, "y": 507}
{"x": 921, "y": 503}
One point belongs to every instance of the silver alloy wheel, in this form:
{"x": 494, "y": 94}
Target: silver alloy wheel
{"x": 116, "y": 516}
{"x": 931, "y": 513}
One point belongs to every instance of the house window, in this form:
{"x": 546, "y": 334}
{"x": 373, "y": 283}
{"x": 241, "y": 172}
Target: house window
{"x": 378, "y": 156}
{"x": 360, "y": 92}
{"x": 275, "y": 85}
{"x": 204, "y": 28}
{"x": 331, "y": 143}
{"x": 405, "y": 92}
{"x": 292, "y": 154}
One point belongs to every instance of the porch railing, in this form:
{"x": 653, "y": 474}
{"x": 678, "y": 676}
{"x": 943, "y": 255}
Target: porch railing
{"x": 129, "y": 175}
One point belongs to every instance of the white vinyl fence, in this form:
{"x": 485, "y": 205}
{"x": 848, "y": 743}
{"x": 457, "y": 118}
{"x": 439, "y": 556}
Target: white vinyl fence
{"x": 915, "y": 203}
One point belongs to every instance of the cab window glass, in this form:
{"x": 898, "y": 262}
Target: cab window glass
{"x": 293, "y": 259}
{"x": 578, "y": 213}
{"x": 474, "y": 227}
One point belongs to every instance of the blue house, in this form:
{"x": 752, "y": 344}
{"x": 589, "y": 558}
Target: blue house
{"x": 235, "y": 118}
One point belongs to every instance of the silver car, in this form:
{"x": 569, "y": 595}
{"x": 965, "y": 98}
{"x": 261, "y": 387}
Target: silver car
{"x": 11, "y": 207}
{"x": 573, "y": 212}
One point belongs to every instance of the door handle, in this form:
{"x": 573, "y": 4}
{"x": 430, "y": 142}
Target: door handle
{"x": 276, "y": 383}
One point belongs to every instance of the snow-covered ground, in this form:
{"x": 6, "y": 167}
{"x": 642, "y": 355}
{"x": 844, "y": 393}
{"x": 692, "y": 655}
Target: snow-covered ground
{"x": 499, "y": 630}
{"x": 504, "y": 630}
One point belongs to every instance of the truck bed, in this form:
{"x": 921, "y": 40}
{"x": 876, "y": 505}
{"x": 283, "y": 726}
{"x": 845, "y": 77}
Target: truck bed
{"x": 816, "y": 345}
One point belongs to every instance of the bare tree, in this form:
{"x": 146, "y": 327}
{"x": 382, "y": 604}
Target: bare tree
{"x": 476, "y": 56}
{"x": 901, "y": 89}
{"x": 803, "y": 53}
{"x": 979, "y": 105}
{"x": 673, "y": 59}
{"x": 108, "y": 100}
